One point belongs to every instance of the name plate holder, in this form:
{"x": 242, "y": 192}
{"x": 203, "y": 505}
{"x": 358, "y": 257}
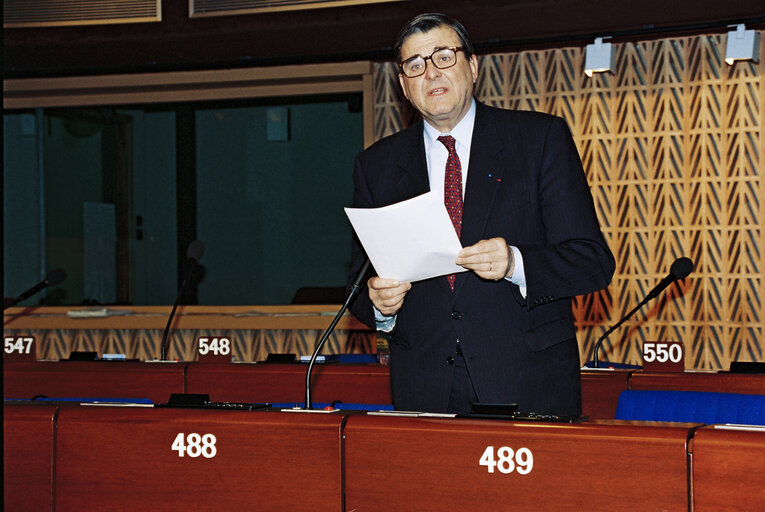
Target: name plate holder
{"x": 19, "y": 348}
{"x": 664, "y": 356}
{"x": 214, "y": 349}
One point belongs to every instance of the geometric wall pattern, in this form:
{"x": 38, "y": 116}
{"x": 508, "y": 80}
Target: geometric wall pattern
{"x": 673, "y": 145}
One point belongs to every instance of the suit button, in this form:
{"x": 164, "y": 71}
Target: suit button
{"x": 456, "y": 315}
{"x": 450, "y": 360}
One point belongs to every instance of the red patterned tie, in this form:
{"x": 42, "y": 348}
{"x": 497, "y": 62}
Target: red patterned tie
{"x": 452, "y": 190}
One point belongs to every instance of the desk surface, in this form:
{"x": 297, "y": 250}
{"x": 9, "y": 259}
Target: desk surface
{"x": 722, "y": 382}
{"x": 350, "y": 383}
{"x": 93, "y": 379}
{"x": 278, "y": 383}
{"x": 728, "y": 469}
{"x": 123, "y": 459}
{"x": 434, "y": 464}
{"x": 601, "y": 390}
{"x": 28, "y": 447}
{"x": 74, "y": 457}
{"x": 186, "y": 317}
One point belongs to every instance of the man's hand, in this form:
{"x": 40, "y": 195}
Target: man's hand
{"x": 387, "y": 295}
{"x": 489, "y": 259}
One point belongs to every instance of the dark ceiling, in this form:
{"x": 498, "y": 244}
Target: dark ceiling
{"x": 348, "y": 33}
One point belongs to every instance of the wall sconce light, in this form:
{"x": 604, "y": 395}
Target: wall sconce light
{"x": 599, "y": 57}
{"x": 742, "y": 45}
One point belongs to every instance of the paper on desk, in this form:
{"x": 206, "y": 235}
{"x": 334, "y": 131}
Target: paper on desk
{"x": 409, "y": 241}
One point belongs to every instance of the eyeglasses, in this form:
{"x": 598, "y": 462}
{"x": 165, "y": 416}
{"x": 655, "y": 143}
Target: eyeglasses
{"x": 442, "y": 59}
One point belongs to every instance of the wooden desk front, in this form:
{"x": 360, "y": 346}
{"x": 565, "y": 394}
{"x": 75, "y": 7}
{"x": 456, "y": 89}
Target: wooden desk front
{"x": 722, "y": 382}
{"x": 728, "y": 468}
{"x": 110, "y": 458}
{"x": 413, "y": 464}
{"x": 351, "y": 383}
{"x": 601, "y": 390}
{"x": 28, "y": 448}
{"x": 93, "y": 379}
{"x": 275, "y": 383}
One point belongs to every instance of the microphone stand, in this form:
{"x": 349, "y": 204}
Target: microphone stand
{"x": 172, "y": 313}
{"x": 355, "y": 287}
{"x": 680, "y": 269}
{"x": 53, "y": 278}
{"x": 613, "y": 328}
{"x": 193, "y": 252}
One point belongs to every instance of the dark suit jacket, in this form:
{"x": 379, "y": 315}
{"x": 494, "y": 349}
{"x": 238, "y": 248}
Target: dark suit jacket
{"x": 526, "y": 184}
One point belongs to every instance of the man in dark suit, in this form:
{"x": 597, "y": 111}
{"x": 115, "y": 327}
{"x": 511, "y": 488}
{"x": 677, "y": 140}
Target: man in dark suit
{"x": 513, "y": 183}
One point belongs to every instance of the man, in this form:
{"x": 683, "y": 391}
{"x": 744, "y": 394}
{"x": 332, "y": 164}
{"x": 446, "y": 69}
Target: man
{"x": 513, "y": 183}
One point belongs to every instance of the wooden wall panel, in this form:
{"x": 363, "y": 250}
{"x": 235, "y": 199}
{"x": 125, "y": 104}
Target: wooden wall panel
{"x": 672, "y": 144}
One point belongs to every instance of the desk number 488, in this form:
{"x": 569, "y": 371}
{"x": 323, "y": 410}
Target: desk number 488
{"x": 195, "y": 445}
{"x": 508, "y": 461}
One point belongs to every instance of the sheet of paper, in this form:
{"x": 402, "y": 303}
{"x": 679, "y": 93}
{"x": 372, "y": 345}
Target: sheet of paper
{"x": 409, "y": 241}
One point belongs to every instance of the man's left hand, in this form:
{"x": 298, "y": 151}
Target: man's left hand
{"x": 489, "y": 259}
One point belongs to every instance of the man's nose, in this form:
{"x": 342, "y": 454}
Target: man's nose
{"x": 431, "y": 71}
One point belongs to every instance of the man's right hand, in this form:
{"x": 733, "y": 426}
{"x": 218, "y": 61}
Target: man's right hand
{"x": 387, "y": 295}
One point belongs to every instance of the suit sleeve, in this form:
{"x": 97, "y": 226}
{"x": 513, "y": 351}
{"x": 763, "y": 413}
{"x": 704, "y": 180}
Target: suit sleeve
{"x": 575, "y": 258}
{"x": 361, "y": 307}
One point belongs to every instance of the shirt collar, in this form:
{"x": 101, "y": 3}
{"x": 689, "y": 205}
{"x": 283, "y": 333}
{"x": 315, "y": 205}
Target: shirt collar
{"x": 462, "y": 133}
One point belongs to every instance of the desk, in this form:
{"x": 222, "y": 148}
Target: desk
{"x": 110, "y": 458}
{"x": 28, "y": 447}
{"x": 93, "y": 379}
{"x": 601, "y": 390}
{"x": 723, "y": 382}
{"x": 413, "y": 464}
{"x": 350, "y": 383}
{"x": 136, "y": 331}
{"x": 728, "y": 469}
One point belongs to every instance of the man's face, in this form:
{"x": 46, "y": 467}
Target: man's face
{"x": 442, "y": 96}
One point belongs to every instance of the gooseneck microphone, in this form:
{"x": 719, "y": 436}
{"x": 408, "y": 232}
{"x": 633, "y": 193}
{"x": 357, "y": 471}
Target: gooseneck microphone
{"x": 354, "y": 291}
{"x": 679, "y": 270}
{"x": 194, "y": 253}
{"x": 53, "y": 278}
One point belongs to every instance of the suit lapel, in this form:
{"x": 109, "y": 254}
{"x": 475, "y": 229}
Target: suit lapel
{"x": 412, "y": 166}
{"x": 484, "y": 176}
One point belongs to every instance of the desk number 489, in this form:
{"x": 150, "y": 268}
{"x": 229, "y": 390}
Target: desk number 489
{"x": 195, "y": 445}
{"x": 508, "y": 461}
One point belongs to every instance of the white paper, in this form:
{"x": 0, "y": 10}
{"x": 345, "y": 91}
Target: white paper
{"x": 409, "y": 241}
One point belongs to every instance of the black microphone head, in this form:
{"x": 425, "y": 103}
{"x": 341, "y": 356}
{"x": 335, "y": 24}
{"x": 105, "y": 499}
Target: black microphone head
{"x": 195, "y": 250}
{"x": 681, "y": 268}
{"x": 55, "y": 277}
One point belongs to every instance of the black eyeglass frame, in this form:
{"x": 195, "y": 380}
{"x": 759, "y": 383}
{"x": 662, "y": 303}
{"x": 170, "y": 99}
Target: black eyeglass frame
{"x": 455, "y": 49}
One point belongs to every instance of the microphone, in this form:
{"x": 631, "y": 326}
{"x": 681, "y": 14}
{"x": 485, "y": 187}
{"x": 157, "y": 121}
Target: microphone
{"x": 194, "y": 253}
{"x": 53, "y": 278}
{"x": 680, "y": 269}
{"x": 354, "y": 290}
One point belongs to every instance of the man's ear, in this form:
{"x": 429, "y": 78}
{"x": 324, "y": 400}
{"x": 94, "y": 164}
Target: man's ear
{"x": 402, "y": 81}
{"x": 474, "y": 67}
